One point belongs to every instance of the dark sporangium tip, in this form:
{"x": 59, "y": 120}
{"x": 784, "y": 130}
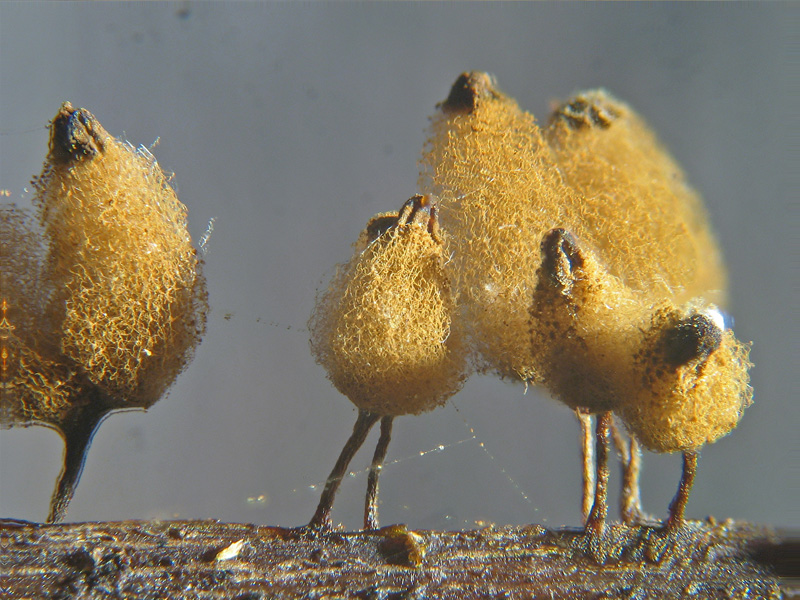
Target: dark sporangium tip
{"x": 586, "y": 111}
{"x": 75, "y": 134}
{"x": 468, "y": 90}
{"x": 695, "y": 337}
{"x": 560, "y": 255}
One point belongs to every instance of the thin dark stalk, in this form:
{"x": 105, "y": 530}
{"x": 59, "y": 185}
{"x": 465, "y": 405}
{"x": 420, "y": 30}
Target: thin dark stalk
{"x": 630, "y": 508}
{"x": 78, "y": 432}
{"x": 597, "y": 517}
{"x": 677, "y": 507}
{"x": 364, "y": 422}
{"x": 587, "y": 459}
{"x": 371, "y": 503}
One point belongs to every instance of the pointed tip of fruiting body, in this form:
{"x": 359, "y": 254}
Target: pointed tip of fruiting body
{"x": 468, "y": 91}
{"x": 75, "y": 134}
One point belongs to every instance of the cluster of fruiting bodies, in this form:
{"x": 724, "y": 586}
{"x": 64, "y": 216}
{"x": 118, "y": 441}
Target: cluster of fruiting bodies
{"x": 102, "y": 297}
{"x": 573, "y": 256}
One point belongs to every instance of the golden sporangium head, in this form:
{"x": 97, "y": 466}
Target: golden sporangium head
{"x": 107, "y": 302}
{"x": 385, "y": 331}
{"x": 676, "y": 377}
{"x": 623, "y": 238}
{"x": 499, "y": 190}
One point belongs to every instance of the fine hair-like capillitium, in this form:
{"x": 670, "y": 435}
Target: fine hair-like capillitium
{"x": 103, "y": 299}
{"x": 641, "y": 215}
{"x": 130, "y": 299}
{"x": 635, "y": 244}
{"x": 499, "y": 191}
{"x": 385, "y": 329}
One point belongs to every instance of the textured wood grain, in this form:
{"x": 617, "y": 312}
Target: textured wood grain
{"x": 208, "y": 559}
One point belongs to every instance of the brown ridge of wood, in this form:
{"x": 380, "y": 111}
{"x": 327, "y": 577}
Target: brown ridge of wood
{"x": 209, "y": 559}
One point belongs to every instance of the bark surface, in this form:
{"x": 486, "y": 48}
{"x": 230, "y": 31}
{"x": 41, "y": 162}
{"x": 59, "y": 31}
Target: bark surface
{"x": 209, "y": 559}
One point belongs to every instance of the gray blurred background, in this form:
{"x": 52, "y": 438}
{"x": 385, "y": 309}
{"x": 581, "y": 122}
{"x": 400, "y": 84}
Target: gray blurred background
{"x": 290, "y": 125}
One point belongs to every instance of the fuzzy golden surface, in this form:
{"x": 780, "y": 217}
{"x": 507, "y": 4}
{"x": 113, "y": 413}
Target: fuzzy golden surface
{"x": 384, "y": 329}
